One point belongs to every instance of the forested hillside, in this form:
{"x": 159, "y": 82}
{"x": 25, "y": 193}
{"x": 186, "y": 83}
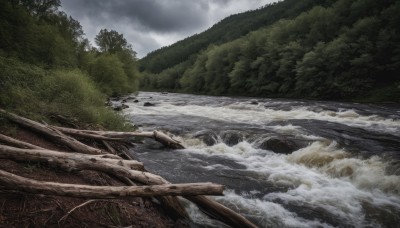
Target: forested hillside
{"x": 301, "y": 49}
{"x": 47, "y": 67}
{"x": 228, "y": 29}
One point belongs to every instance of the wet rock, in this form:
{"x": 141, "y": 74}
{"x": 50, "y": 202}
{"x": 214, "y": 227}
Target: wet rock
{"x": 231, "y": 138}
{"x": 118, "y": 108}
{"x": 279, "y": 145}
{"x": 148, "y": 104}
{"x": 121, "y": 107}
{"x": 253, "y": 102}
{"x": 208, "y": 137}
{"x": 136, "y": 101}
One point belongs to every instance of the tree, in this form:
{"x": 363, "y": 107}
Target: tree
{"x": 41, "y": 7}
{"x": 111, "y": 41}
{"x": 108, "y": 72}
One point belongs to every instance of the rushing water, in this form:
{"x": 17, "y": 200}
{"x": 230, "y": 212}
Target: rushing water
{"x": 338, "y": 166}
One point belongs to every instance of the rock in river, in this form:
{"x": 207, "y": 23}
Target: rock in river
{"x": 279, "y": 145}
{"x": 231, "y": 138}
{"x": 207, "y": 136}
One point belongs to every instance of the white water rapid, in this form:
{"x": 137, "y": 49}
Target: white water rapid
{"x": 286, "y": 163}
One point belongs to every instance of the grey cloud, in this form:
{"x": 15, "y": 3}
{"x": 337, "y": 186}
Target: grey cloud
{"x": 150, "y": 24}
{"x": 155, "y": 15}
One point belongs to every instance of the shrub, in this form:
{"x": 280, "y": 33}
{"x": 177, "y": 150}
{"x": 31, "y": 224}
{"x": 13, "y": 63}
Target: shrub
{"x": 36, "y": 93}
{"x": 107, "y": 71}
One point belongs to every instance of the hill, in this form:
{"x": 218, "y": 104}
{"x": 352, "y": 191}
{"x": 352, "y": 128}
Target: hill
{"x": 297, "y": 49}
{"x": 226, "y": 30}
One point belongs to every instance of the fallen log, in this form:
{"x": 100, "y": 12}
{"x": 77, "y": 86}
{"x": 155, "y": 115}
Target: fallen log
{"x": 89, "y": 162}
{"x": 219, "y": 212}
{"x": 14, "y": 142}
{"x": 54, "y": 134}
{"x": 71, "y": 161}
{"x": 171, "y": 203}
{"x": 213, "y": 208}
{"x": 88, "y": 134}
{"x": 76, "y": 162}
{"x": 121, "y": 136}
{"x": 11, "y": 181}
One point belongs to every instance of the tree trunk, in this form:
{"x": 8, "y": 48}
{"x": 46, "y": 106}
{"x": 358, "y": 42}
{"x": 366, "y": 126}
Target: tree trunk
{"x": 14, "y": 182}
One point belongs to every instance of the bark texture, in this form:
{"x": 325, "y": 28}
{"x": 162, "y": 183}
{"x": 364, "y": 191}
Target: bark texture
{"x": 15, "y": 182}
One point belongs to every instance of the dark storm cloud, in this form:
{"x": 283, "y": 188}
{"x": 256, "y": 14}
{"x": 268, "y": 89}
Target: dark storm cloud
{"x": 152, "y": 14}
{"x": 150, "y": 24}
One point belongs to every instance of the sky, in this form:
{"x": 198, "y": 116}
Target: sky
{"x": 150, "y": 24}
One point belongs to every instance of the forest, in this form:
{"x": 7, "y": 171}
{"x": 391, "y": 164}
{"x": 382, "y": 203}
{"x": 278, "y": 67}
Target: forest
{"x": 47, "y": 67}
{"x": 334, "y": 50}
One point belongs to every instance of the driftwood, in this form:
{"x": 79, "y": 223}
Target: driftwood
{"x": 219, "y": 212}
{"x": 17, "y": 143}
{"x": 71, "y": 161}
{"x": 15, "y": 182}
{"x": 211, "y": 207}
{"x": 52, "y": 133}
{"x": 122, "y": 169}
{"x": 123, "y": 136}
{"x": 58, "y": 134}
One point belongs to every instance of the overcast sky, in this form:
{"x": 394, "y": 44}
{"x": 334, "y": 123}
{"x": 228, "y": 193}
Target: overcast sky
{"x": 151, "y": 24}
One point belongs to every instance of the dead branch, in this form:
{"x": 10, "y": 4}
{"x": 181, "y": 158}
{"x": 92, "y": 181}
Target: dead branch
{"x": 15, "y": 182}
{"x": 73, "y": 209}
{"x": 71, "y": 161}
{"x": 55, "y": 135}
{"x": 123, "y": 136}
{"x": 14, "y": 142}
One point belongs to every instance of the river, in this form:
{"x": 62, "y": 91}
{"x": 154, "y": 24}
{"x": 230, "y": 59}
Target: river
{"x": 285, "y": 163}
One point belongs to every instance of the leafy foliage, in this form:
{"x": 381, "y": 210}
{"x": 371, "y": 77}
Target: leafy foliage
{"x": 325, "y": 49}
{"x": 48, "y": 67}
{"x": 111, "y": 41}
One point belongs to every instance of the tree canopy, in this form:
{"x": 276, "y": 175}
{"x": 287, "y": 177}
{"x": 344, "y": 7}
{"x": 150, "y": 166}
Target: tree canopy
{"x": 48, "y": 66}
{"x": 325, "y": 49}
{"x": 112, "y": 42}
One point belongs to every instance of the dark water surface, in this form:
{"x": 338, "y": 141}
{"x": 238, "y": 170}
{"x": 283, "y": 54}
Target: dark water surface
{"x": 286, "y": 163}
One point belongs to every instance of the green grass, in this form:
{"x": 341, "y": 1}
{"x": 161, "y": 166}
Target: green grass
{"x": 37, "y": 93}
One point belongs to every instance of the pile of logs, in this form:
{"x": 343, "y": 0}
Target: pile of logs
{"x": 139, "y": 182}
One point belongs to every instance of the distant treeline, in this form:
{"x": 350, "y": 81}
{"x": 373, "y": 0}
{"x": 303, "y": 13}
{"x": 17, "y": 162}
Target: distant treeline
{"x": 300, "y": 49}
{"x": 48, "y": 67}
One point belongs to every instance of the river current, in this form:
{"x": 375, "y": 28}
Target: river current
{"x": 285, "y": 163}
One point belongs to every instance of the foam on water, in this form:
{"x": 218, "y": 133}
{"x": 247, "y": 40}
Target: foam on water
{"x": 245, "y": 113}
{"x": 269, "y": 214}
{"x": 320, "y": 176}
{"x": 367, "y": 174}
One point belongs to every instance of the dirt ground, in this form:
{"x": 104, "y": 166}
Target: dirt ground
{"x": 29, "y": 210}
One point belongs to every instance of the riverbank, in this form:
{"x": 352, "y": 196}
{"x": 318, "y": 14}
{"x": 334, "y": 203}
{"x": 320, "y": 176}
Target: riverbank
{"x": 32, "y": 210}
